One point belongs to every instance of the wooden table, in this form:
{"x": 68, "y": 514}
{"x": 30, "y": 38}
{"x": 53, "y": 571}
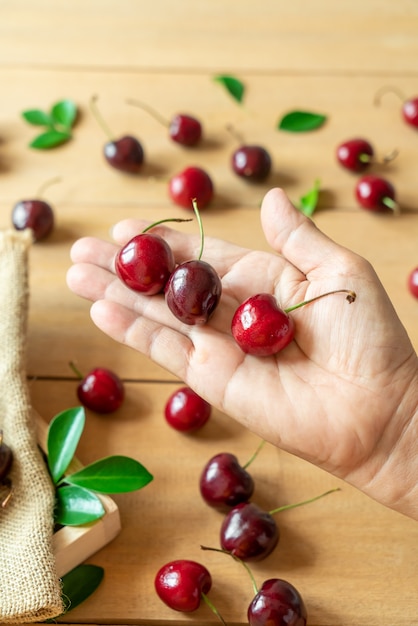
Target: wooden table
{"x": 354, "y": 562}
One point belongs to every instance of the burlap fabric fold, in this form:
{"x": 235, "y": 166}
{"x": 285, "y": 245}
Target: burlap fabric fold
{"x": 30, "y": 590}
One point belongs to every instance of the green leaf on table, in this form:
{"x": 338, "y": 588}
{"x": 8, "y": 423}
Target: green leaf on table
{"x": 233, "y": 86}
{"x": 64, "y": 113}
{"x": 75, "y": 506}
{"x": 49, "y": 139}
{"x": 79, "y": 584}
{"x": 64, "y": 433}
{"x": 113, "y": 474}
{"x": 301, "y": 121}
{"x": 309, "y": 201}
{"x": 36, "y": 117}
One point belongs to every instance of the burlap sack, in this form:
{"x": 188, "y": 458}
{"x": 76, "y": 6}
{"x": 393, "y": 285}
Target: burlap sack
{"x": 30, "y": 590}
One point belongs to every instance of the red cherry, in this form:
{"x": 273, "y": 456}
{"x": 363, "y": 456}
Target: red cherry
{"x": 34, "y": 214}
{"x": 248, "y": 532}
{"x": 251, "y": 162}
{"x": 101, "y": 391}
{"x": 410, "y": 112}
{"x": 186, "y": 411}
{"x": 224, "y": 483}
{"x": 192, "y": 182}
{"x": 260, "y": 327}
{"x": 185, "y": 130}
{"x": 181, "y": 583}
{"x": 125, "y": 154}
{"x": 375, "y": 193}
{"x": 413, "y": 282}
{"x": 355, "y": 154}
{"x": 145, "y": 263}
{"x": 277, "y": 603}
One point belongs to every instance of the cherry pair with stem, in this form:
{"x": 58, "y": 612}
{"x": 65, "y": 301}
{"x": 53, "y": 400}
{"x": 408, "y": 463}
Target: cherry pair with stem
{"x": 6, "y": 462}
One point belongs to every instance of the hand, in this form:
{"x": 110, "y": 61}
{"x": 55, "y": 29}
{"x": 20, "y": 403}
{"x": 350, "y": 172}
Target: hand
{"x": 342, "y": 395}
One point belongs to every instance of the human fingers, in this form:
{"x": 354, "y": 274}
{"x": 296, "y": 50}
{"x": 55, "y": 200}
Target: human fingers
{"x": 298, "y": 239}
{"x": 96, "y": 251}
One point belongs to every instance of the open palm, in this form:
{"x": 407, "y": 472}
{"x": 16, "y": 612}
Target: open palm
{"x": 331, "y": 396}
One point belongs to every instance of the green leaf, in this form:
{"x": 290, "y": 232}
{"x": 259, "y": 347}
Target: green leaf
{"x": 49, "y": 139}
{"x": 75, "y": 506}
{"x": 309, "y": 202}
{"x": 113, "y": 474}
{"x": 79, "y": 584}
{"x": 64, "y": 113}
{"x": 233, "y": 86}
{"x": 36, "y": 117}
{"x": 64, "y": 433}
{"x": 301, "y": 121}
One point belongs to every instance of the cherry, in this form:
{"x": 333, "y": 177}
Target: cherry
{"x": 192, "y": 182}
{"x": 251, "y": 162}
{"x": 6, "y": 462}
{"x": 101, "y": 390}
{"x": 251, "y": 534}
{"x": 182, "y": 128}
{"x": 261, "y": 328}
{"x": 413, "y": 282}
{"x": 194, "y": 288}
{"x": 376, "y": 194}
{"x": 357, "y": 154}
{"x": 409, "y": 105}
{"x": 277, "y": 603}
{"x": 186, "y": 411}
{"x": 224, "y": 483}
{"x": 35, "y": 214}
{"x": 124, "y": 154}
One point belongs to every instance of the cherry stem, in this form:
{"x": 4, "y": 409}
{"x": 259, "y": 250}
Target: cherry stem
{"x": 76, "y": 370}
{"x": 199, "y": 221}
{"x": 213, "y": 608}
{"x": 388, "y": 89}
{"x": 285, "y": 507}
{"x": 391, "y": 204}
{"x": 47, "y": 184}
{"x": 351, "y": 296}
{"x": 142, "y": 105}
{"x": 168, "y": 219}
{"x": 99, "y": 117}
{"x": 252, "y": 458}
{"x": 245, "y": 565}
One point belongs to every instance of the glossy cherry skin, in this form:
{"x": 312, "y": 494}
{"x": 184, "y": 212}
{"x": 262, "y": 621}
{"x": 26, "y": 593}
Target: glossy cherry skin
{"x": 101, "y": 391}
{"x": 191, "y": 183}
{"x": 248, "y": 532}
{"x": 410, "y": 112}
{"x": 372, "y": 193}
{"x": 413, "y": 282}
{"x": 251, "y": 162}
{"x": 34, "y": 214}
{"x": 260, "y": 327}
{"x": 180, "y": 584}
{"x": 125, "y": 154}
{"x": 193, "y": 292}
{"x": 186, "y": 411}
{"x": 355, "y": 154}
{"x": 145, "y": 263}
{"x": 6, "y": 460}
{"x": 224, "y": 483}
{"x": 185, "y": 130}
{"x": 277, "y": 603}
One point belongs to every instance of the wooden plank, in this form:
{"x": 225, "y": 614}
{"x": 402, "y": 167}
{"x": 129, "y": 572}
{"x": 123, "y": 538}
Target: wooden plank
{"x": 274, "y": 36}
{"x": 336, "y": 551}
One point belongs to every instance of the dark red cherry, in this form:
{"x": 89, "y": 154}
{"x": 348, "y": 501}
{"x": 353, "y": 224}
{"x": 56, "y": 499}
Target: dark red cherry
{"x": 193, "y": 292}
{"x": 186, "y": 411}
{"x": 251, "y": 162}
{"x": 248, "y": 532}
{"x": 190, "y": 183}
{"x": 410, "y": 111}
{"x": 355, "y": 154}
{"x": 101, "y": 390}
{"x": 260, "y": 327}
{"x": 375, "y": 193}
{"x": 35, "y": 214}
{"x": 181, "y": 583}
{"x": 413, "y": 282}
{"x": 224, "y": 483}
{"x": 145, "y": 263}
{"x": 185, "y": 130}
{"x": 277, "y": 603}
{"x": 125, "y": 154}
